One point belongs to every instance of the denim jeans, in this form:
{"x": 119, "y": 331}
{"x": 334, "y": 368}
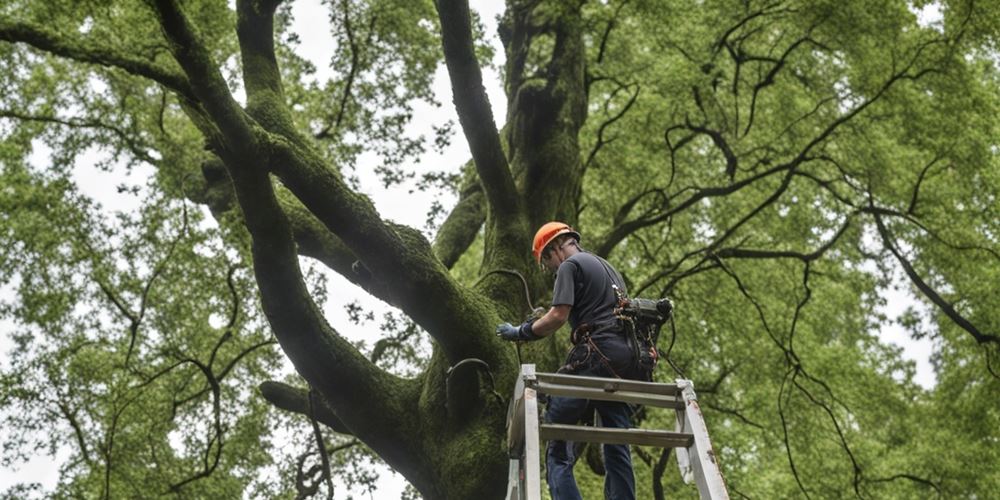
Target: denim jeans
{"x": 619, "y": 481}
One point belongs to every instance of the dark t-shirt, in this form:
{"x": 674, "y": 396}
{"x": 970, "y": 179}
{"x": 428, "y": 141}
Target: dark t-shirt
{"x": 583, "y": 282}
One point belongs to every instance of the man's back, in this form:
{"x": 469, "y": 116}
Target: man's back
{"x": 584, "y": 281}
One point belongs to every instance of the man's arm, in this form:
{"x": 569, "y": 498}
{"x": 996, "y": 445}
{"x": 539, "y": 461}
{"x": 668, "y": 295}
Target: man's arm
{"x": 551, "y": 321}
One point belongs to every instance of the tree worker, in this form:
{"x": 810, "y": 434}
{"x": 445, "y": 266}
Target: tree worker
{"x": 586, "y": 293}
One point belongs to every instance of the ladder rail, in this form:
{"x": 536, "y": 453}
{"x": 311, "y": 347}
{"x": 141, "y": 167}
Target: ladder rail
{"x": 532, "y": 453}
{"x": 702, "y": 464}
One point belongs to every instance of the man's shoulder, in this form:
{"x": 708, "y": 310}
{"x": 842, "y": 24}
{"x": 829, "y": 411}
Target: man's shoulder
{"x": 586, "y": 258}
{"x": 586, "y": 262}
{"x": 582, "y": 257}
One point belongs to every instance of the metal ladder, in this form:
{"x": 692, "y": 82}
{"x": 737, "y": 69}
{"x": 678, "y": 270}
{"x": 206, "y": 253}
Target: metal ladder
{"x": 695, "y": 457}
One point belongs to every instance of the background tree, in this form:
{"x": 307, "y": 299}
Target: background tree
{"x": 769, "y": 165}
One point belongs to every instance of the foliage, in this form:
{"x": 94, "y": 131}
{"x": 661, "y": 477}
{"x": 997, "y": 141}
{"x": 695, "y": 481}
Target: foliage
{"x": 777, "y": 168}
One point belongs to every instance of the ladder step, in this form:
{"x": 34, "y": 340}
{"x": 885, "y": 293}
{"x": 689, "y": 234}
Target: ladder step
{"x": 609, "y": 384}
{"x": 604, "y": 435}
{"x": 604, "y": 395}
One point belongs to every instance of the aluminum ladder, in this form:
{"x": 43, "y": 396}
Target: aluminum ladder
{"x": 695, "y": 457}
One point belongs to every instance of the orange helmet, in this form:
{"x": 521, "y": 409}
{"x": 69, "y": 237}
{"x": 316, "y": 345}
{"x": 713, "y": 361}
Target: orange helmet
{"x": 548, "y": 232}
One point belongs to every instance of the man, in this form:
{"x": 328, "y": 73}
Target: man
{"x": 586, "y": 293}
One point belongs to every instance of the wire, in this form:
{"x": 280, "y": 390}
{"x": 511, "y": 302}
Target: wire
{"x": 527, "y": 292}
{"x": 484, "y": 367}
{"x": 666, "y": 355}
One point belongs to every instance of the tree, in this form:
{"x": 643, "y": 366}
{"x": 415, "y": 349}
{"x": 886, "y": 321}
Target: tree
{"x": 770, "y": 165}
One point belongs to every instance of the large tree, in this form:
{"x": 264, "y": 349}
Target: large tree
{"x": 773, "y": 166}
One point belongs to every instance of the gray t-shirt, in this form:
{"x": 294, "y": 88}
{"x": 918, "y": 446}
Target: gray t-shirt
{"x": 583, "y": 282}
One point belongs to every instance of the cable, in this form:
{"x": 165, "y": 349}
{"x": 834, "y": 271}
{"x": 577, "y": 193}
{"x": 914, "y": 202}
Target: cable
{"x": 666, "y": 355}
{"x": 527, "y": 292}
{"x": 484, "y": 367}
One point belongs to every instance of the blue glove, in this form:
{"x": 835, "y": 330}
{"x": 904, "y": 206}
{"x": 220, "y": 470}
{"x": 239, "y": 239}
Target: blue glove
{"x": 510, "y": 332}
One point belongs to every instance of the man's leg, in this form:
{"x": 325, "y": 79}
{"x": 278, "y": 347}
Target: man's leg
{"x": 559, "y": 455}
{"x": 619, "y": 481}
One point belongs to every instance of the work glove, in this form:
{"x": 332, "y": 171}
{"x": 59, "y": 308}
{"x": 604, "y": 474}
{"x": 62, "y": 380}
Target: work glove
{"x": 510, "y": 332}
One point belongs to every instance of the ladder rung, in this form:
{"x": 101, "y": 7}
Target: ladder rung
{"x": 609, "y": 384}
{"x": 646, "y": 437}
{"x": 602, "y": 395}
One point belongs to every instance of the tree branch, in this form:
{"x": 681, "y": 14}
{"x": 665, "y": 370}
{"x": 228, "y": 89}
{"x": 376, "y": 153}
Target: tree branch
{"x": 312, "y": 237}
{"x": 210, "y": 460}
{"x": 126, "y": 139}
{"x": 86, "y": 51}
{"x": 909, "y": 477}
{"x": 462, "y": 224}
{"x": 607, "y": 31}
{"x": 768, "y": 79}
{"x": 474, "y": 110}
{"x": 946, "y": 307}
{"x": 207, "y": 82}
{"x": 746, "y": 253}
{"x": 70, "y": 416}
{"x": 255, "y": 30}
{"x": 376, "y": 406}
{"x": 296, "y": 400}
{"x": 732, "y": 162}
{"x": 610, "y": 121}
{"x": 265, "y": 96}
{"x": 321, "y": 446}
{"x": 620, "y": 232}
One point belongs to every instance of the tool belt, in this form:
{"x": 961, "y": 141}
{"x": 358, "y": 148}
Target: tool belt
{"x": 585, "y": 352}
{"x": 583, "y": 332}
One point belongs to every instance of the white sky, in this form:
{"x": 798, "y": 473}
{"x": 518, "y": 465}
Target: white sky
{"x": 395, "y": 203}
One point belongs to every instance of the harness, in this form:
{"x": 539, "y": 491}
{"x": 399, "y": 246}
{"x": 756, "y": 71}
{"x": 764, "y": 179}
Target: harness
{"x": 584, "y": 347}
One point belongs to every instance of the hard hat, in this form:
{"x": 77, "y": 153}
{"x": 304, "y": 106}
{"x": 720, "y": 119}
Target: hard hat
{"x": 548, "y": 232}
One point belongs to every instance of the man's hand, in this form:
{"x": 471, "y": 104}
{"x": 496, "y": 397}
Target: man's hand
{"x": 510, "y": 332}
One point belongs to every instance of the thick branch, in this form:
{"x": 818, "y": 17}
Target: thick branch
{"x": 296, "y": 400}
{"x": 265, "y": 96}
{"x": 376, "y": 406}
{"x": 208, "y": 84}
{"x": 392, "y": 254}
{"x": 462, "y": 224}
{"x": 255, "y": 29}
{"x": 312, "y": 237}
{"x": 473, "y": 107}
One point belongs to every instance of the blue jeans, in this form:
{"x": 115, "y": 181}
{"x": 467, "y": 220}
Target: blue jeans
{"x": 619, "y": 481}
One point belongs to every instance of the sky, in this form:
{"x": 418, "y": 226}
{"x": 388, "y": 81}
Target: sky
{"x": 399, "y": 204}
